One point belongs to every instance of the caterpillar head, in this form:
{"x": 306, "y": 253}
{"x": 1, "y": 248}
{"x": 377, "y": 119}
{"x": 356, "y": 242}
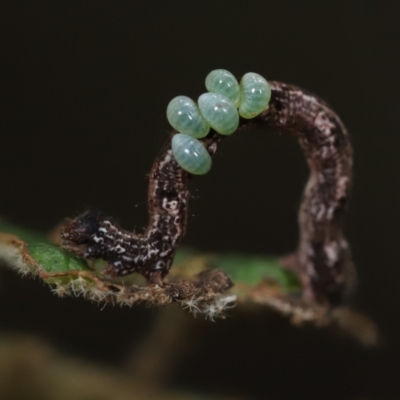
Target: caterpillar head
{"x": 80, "y": 229}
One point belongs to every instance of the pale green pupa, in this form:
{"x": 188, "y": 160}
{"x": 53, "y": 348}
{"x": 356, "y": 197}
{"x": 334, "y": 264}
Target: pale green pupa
{"x": 190, "y": 154}
{"x": 223, "y": 82}
{"x": 184, "y": 115}
{"x": 219, "y": 112}
{"x": 255, "y": 94}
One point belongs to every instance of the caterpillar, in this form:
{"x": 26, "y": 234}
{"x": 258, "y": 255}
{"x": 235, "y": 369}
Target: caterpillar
{"x": 323, "y": 258}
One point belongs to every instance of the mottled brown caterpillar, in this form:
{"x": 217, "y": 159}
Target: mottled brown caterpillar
{"x": 323, "y": 259}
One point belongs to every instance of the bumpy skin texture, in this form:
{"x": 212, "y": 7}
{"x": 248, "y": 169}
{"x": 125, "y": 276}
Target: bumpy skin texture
{"x": 94, "y": 236}
{"x": 323, "y": 258}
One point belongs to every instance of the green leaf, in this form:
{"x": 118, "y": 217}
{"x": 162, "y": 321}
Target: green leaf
{"x": 54, "y": 259}
{"x": 253, "y": 270}
{"x": 183, "y": 254}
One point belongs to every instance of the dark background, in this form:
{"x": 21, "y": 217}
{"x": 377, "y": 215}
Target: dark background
{"x": 84, "y": 88}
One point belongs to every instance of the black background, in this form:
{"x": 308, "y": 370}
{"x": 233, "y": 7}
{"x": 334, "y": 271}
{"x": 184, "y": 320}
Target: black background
{"x": 84, "y": 87}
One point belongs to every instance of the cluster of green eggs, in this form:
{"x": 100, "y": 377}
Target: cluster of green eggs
{"x": 218, "y": 109}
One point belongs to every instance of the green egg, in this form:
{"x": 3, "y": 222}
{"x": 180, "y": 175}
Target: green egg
{"x": 219, "y": 112}
{"x": 184, "y": 115}
{"x": 190, "y": 154}
{"x": 255, "y": 94}
{"x": 223, "y": 82}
